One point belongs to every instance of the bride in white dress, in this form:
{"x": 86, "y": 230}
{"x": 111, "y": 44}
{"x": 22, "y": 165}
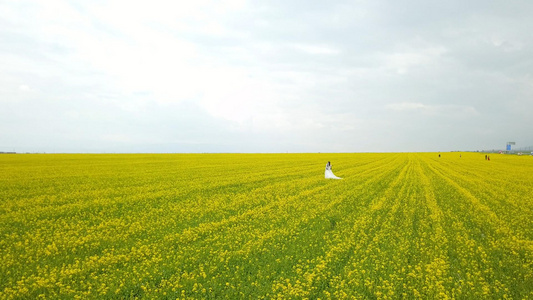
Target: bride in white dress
{"x": 329, "y": 173}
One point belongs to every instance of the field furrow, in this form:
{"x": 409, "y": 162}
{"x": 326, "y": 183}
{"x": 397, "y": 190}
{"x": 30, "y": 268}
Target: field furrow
{"x": 232, "y": 226}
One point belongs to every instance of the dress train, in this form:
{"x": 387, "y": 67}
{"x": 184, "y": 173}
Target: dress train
{"x": 329, "y": 175}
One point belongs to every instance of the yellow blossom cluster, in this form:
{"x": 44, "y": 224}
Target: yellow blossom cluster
{"x": 266, "y": 226}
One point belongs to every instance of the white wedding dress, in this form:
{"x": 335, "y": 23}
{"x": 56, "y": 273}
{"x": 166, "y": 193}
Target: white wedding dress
{"x": 329, "y": 174}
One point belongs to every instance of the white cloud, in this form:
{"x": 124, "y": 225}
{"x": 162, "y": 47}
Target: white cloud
{"x": 316, "y": 49}
{"x": 403, "y": 61}
{"x": 221, "y": 75}
{"x": 406, "y": 106}
{"x": 447, "y": 110}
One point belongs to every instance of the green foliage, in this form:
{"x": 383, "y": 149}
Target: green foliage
{"x": 266, "y": 226}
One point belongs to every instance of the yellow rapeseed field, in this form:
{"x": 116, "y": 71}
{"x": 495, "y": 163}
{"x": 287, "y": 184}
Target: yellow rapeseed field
{"x": 233, "y": 226}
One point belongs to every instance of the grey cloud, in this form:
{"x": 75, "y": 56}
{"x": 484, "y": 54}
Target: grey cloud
{"x": 368, "y": 75}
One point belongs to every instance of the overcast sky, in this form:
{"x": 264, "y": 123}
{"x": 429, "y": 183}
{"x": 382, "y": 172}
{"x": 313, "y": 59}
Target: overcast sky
{"x": 265, "y": 76}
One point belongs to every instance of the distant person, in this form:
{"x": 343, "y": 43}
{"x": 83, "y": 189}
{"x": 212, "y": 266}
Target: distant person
{"x": 439, "y": 154}
{"x": 488, "y": 158}
{"x": 485, "y": 156}
{"x": 329, "y": 173}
